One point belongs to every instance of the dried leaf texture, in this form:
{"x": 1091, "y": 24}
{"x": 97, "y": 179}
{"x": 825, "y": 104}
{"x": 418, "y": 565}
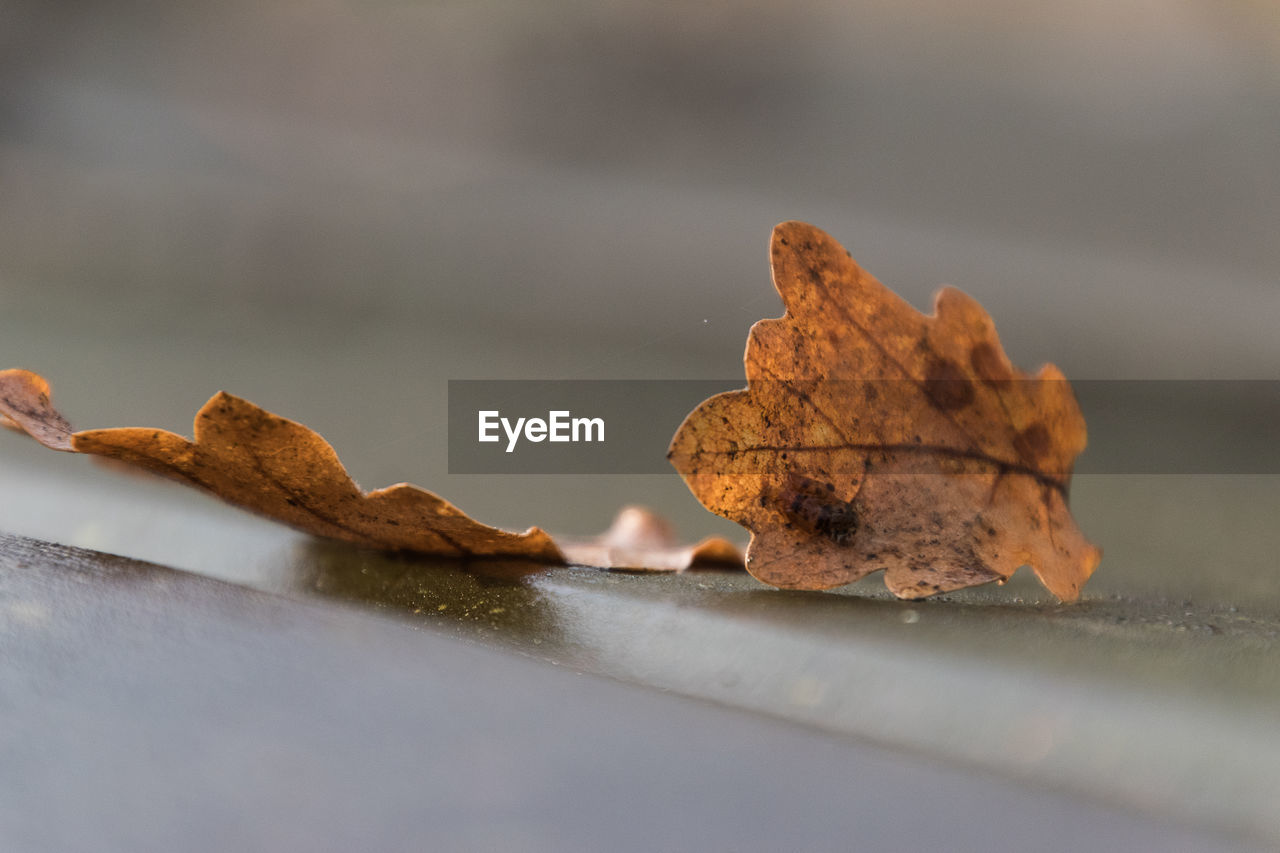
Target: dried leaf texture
{"x": 871, "y": 436}
{"x": 25, "y": 406}
{"x": 278, "y": 468}
{"x": 285, "y": 471}
{"x": 641, "y": 540}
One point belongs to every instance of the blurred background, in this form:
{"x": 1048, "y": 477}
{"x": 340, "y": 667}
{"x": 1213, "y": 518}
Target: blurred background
{"x": 333, "y": 208}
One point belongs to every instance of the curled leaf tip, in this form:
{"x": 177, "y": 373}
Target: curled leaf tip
{"x": 25, "y": 405}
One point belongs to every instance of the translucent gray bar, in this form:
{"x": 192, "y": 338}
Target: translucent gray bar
{"x": 1135, "y": 426}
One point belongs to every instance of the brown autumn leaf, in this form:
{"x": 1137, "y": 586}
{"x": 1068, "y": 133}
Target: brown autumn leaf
{"x": 871, "y": 436}
{"x": 285, "y": 471}
{"x": 641, "y": 540}
{"x": 278, "y": 468}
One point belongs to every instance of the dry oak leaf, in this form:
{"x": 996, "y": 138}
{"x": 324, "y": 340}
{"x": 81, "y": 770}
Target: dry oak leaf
{"x": 871, "y": 436}
{"x": 641, "y": 540}
{"x": 278, "y": 468}
{"x": 285, "y": 471}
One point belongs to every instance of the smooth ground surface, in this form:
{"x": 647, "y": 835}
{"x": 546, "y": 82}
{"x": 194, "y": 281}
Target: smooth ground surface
{"x": 146, "y": 709}
{"x": 1139, "y": 697}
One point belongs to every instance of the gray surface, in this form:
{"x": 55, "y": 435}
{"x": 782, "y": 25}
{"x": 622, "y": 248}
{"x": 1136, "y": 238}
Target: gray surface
{"x": 143, "y": 709}
{"x": 1156, "y": 693}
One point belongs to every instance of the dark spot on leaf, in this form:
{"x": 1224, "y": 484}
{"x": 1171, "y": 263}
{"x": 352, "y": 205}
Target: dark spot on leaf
{"x": 1033, "y": 442}
{"x": 807, "y": 503}
{"x": 987, "y": 364}
{"x": 946, "y": 385}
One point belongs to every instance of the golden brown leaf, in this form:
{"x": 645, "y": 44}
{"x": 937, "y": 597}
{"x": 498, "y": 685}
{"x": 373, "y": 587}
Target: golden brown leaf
{"x": 871, "y": 436}
{"x": 641, "y": 540}
{"x": 285, "y": 471}
{"x": 278, "y": 468}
